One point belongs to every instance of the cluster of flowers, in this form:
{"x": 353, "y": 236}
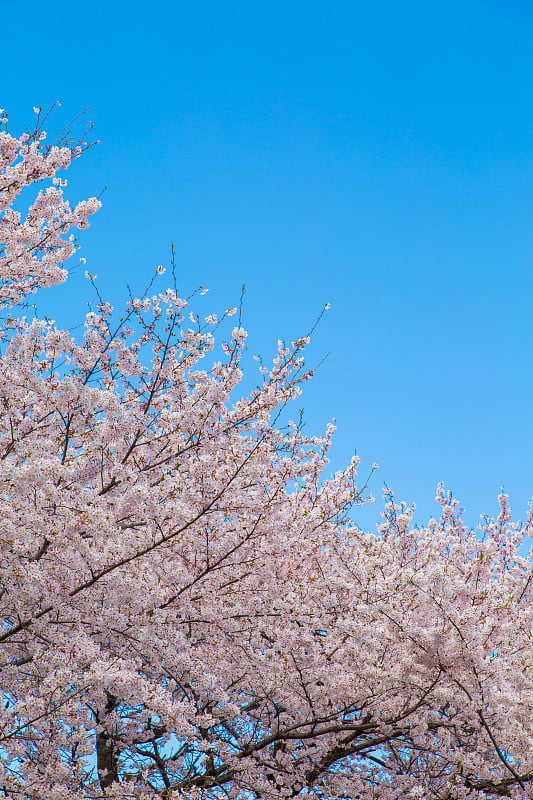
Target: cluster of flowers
{"x": 187, "y": 607}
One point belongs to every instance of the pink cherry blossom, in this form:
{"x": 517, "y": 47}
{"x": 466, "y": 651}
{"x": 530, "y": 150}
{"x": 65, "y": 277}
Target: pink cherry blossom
{"x": 188, "y": 608}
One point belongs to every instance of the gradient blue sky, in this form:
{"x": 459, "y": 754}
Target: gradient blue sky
{"x": 376, "y": 155}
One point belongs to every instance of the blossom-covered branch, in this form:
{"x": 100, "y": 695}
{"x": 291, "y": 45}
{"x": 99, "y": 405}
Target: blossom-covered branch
{"x": 188, "y": 608}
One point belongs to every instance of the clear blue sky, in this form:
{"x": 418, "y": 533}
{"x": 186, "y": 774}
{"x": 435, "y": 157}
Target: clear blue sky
{"x": 376, "y": 155}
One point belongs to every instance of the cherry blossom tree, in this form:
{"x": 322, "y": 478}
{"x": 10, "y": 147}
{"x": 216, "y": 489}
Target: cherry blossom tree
{"x": 188, "y": 607}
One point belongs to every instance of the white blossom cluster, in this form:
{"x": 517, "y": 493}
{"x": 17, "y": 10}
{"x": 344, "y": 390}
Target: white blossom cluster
{"x": 188, "y": 609}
